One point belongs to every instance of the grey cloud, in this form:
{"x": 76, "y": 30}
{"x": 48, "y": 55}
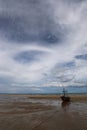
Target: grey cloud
{"x": 81, "y": 57}
{"x": 74, "y": 2}
{"x": 29, "y": 56}
{"x": 13, "y": 29}
{"x": 69, "y": 64}
{"x": 30, "y": 22}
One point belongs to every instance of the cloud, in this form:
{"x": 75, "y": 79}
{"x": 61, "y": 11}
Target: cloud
{"x": 23, "y": 21}
{"x": 29, "y": 56}
{"x": 42, "y": 37}
{"x": 82, "y": 57}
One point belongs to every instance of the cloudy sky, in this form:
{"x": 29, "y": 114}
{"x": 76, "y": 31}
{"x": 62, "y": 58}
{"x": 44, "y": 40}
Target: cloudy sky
{"x": 43, "y": 45}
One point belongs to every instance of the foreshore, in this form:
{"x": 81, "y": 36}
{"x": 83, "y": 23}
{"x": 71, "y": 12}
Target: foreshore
{"x": 42, "y": 112}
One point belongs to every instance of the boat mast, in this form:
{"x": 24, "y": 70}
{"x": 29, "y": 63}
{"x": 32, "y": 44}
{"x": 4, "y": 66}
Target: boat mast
{"x": 64, "y": 91}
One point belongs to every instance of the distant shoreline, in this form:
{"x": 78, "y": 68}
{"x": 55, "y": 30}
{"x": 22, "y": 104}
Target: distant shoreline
{"x": 43, "y": 93}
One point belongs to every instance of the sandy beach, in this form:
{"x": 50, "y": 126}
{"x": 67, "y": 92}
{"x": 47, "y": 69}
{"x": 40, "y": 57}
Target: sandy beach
{"x": 42, "y": 112}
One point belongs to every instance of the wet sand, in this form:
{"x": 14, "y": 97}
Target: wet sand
{"x": 42, "y": 112}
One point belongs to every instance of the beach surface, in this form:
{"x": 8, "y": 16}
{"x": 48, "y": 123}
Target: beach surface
{"x": 42, "y": 112}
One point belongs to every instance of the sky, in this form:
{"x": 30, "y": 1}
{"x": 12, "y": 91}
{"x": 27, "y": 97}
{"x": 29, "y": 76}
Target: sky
{"x": 43, "y": 45}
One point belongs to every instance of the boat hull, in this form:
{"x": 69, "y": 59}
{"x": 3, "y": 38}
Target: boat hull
{"x": 65, "y": 98}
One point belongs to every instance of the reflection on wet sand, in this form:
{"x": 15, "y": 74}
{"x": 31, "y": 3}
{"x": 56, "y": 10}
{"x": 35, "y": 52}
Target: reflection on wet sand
{"x": 65, "y": 105}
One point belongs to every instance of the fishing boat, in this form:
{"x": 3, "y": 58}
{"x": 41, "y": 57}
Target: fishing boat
{"x": 65, "y": 97}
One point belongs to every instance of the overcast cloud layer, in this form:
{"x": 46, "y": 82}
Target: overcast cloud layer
{"x": 42, "y": 43}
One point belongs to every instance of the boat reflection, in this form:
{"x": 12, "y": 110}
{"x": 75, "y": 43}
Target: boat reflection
{"x": 65, "y": 105}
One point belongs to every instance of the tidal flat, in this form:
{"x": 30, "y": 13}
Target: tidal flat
{"x": 42, "y": 112}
